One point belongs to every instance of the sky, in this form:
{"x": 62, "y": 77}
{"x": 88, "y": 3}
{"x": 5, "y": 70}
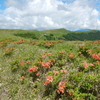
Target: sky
{"x": 50, "y": 14}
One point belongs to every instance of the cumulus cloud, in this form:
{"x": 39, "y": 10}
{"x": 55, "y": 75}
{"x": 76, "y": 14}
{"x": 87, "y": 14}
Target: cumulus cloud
{"x": 50, "y": 14}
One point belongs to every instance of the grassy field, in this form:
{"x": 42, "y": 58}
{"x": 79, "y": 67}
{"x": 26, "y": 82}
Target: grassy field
{"x": 36, "y": 67}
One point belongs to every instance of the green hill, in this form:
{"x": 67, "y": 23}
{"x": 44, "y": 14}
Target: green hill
{"x": 55, "y": 34}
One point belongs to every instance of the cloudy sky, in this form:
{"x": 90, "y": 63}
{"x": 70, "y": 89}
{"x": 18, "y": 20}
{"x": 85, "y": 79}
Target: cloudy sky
{"x": 50, "y": 14}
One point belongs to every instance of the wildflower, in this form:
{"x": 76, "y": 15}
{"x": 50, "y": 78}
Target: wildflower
{"x": 71, "y": 56}
{"x": 95, "y": 56}
{"x": 98, "y": 54}
{"x": 62, "y": 84}
{"x": 48, "y": 44}
{"x": 39, "y": 62}
{"x": 60, "y": 90}
{"x": 91, "y": 64}
{"x": 49, "y": 79}
{"x": 46, "y": 82}
{"x": 37, "y": 74}
{"x": 53, "y": 60}
{"x": 63, "y": 71}
{"x": 61, "y": 87}
{"x": 43, "y": 56}
{"x": 55, "y": 72}
{"x": 28, "y": 62}
{"x": 21, "y": 63}
{"x": 22, "y": 77}
{"x": 63, "y": 52}
{"x": 33, "y": 69}
{"x": 1, "y": 45}
{"x": 85, "y": 65}
{"x": 46, "y": 64}
{"x": 49, "y": 54}
{"x": 7, "y": 49}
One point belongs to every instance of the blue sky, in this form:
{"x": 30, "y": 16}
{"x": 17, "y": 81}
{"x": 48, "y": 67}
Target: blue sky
{"x": 50, "y": 14}
{"x": 2, "y": 5}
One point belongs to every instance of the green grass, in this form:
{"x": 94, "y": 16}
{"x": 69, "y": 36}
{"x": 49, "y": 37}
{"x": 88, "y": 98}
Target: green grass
{"x": 75, "y": 64}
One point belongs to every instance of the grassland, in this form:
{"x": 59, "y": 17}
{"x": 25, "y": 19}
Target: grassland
{"x": 45, "y": 65}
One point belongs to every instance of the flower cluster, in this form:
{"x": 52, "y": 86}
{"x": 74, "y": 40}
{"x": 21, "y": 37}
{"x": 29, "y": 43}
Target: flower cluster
{"x": 19, "y": 42}
{"x": 33, "y": 69}
{"x": 8, "y": 51}
{"x": 71, "y": 56}
{"x": 96, "y": 56}
{"x": 61, "y": 87}
{"x": 49, "y": 79}
{"x": 46, "y": 64}
{"x": 86, "y": 65}
{"x": 21, "y": 63}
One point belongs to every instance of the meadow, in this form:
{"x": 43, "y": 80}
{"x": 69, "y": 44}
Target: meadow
{"x": 39, "y": 65}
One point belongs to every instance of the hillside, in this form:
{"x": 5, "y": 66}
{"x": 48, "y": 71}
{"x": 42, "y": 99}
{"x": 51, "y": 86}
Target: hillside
{"x": 56, "y": 34}
{"x": 36, "y": 65}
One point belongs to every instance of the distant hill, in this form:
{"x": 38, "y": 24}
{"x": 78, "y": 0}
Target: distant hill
{"x": 83, "y": 30}
{"x": 55, "y": 34}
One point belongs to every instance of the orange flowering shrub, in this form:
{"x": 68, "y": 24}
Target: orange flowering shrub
{"x": 19, "y": 42}
{"x": 46, "y": 64}
{"x": 8, "y": 51}
{"x": 33, "y": 69}
{"x": 28, "y": 62}
{"x": 96, "y": 56}
{"x": 21, "y": 63}
{"x": 49, "y": 79}
{"x": 61, "y": 87}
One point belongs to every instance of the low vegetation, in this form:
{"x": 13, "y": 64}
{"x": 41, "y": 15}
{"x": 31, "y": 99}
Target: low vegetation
{"x": 39, "y": 65}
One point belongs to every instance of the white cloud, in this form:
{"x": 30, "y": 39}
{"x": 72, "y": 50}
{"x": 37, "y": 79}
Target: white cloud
{"x": 50, "y": 14}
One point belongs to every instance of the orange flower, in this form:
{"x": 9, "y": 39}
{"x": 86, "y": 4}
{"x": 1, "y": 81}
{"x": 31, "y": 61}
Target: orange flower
{"x": 91, "y": 64}
{"x": 95, "y": 56}
{"x": 37, "y": 74}
{"x": 85, "y": 65}
{"x": 71, "y": 56}
{"x": 49, "y": 54}
{"x": 63, "y": 71}
{"x": 55, "y": 72}
{"x": 33, "y": 69}
{"x": 21, "y": 63}
{"x": 48, "y": 44}
{"x": 53, "y": 60}
{"x": 22, "y": 77}
{"x": 61, "y": 90}
{"x": 49, "y": 79}
{"x": 43, "y": 56}
{"x": 46, "y": 64}
{"x": 63, "y": 52}
{"x": 61, "y": 86}
{"x": 98, "y": 54}
{"x": 1, "y": 45}
{"x": 46, "y": 82}
{"x": 7, "y": 49}
{"x": 28, "y": 62}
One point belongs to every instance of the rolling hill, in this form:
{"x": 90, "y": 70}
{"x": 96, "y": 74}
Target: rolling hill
{"x": 55, "y": 34}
